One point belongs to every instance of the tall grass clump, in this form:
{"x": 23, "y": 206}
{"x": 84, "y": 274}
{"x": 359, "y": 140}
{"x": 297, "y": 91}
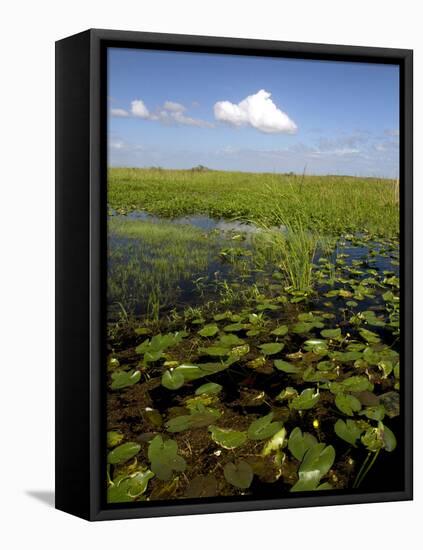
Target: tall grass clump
{"x": 290, "y": 245}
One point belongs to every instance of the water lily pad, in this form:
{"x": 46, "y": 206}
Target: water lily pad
{"x": 222, "y": 316}
{"x": 372, "y": 439}
{"x": 389, "y": 439}
{"x": 348, "y": 404}
{"x": 209, "y": 330}
{"x": 299, "y": 443}
{"x": 263, "y": 427}
{"x": 114, "y": 438}
{"x": 128, "y": 488}
{"x": 306, "y": 400}
{"x": 333, "y": 334}
{"x": 215, "y": 351}
{"x": 230, "y": 340}
{"x": 239, "y": 475}
{"x": 200, "y": 419}
{"x": 369, "y": 336}
{"x": 239, "y": 351}
{"x": 316, "y": 463}
{"x": 271, "y": 348}
{"x": 345, "y": 356}
{"x": 357, "y": 384}
{"x": 374, "y": 413}
{"x": 164, "y": 458}
{"x": 284, "y": 366}
{"x": 173, "y": 379}
{"x": 234, "y": 327}
{"x": 275, "y": 443}
{"x": 123, "y": 379}
{"x": 302, "y": 328}
{"x": 282, "y": 330}
{"x": 210, "y": 388}
{"x": 391, "y": 403}
{"x": 226, "y": 438}
{"x": 202, "y": 486}
{"x": 349, "y": 431}
{"x": 123, "y": 453}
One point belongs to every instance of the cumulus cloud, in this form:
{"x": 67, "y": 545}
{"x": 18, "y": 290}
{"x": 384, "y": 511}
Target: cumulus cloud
{"x": 119, "y": 112}
{"x": 258, "y": 111}
{"x": 139, "y": 109}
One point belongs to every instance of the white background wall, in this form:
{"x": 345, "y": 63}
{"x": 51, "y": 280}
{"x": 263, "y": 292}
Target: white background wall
{"x": 28, "y": 32}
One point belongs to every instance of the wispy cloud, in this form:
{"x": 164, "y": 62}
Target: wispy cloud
{"x": 170, "y": 113}
{"x": 119, "y": 112}
{"x": 257, "y": 110}
{"x": 391, "y": 132}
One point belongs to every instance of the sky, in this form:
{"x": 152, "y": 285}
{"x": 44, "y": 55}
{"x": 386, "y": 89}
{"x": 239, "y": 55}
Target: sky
{"x": 179, "y": 110}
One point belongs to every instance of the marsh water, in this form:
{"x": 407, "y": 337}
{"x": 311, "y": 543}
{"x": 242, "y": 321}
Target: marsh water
{"x": 223, "y": 269}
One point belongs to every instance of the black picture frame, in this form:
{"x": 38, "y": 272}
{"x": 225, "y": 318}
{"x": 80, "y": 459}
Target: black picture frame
{"x": 81, "y": 116}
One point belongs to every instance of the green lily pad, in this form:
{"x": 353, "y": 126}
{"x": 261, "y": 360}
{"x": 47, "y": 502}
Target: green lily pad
{"x": 348, "y": 404}
{"x": 200, "y": 419}
{"x": 349, "y": 431}
{"x": 114, "y": 438}
{"x": 316, "y": 463}
{"x": 123, "y": 453}
{"x": 345, "y": 356}
{"x": 275, "y": 443}
{"x": 357, "y": 384}
{"x": 210, "y": 388}
{"x": 272, "y": 348}
{"x": 164, "y": 458}
{"x": 391, "y": 403}
{"x": 226, "y": 438}
{"x": 372, "y": 439}
{"x": 215, "y": 351}
{"x": 234, "y": 327}
{"x": 299, "y": 443}
{"x": 230, "y": 341}
{"x": 284, "y": 366}
{"x": 123, "y": 379}
{"x": 333, "y": 334}
{"x": 239, "y": 475}
{"x": 263, "y": 427}
{"x": 376, "y": 412}
{"x": 306, "y": 400}
{"x": 128, "y": 488}
{"x": 202, "y": 486}
{"x": 302, "y": 328}
{"x": 389, "y": 439}
{"x": 208, "y": 330}
{"x": 239, "y": 351}
{"x": 282, "y": 330}
{"x": 369, "y": 336}
{"x": 173, "y": 379}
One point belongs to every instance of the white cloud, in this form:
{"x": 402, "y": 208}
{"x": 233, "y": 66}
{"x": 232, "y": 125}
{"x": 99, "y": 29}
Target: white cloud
{"x": 392, "y": 132}
{"x": 169, "y": 113}
{"x": 116, "y": 144}
{"x": 119, "y": 112}
{"x": 139, "y": 109}
{"x": 256, "y": 110}
{"x": 174, "y": 107}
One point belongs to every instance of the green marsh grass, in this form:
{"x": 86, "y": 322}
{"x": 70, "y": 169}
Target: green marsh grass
{"x": 152, "y": 259}
{"x": 329, "y": 204}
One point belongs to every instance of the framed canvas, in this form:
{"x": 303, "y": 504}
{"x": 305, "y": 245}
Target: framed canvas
{"x": 233, "y": 274}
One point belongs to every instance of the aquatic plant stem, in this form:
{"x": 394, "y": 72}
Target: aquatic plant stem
{"x": 365, "y": 468}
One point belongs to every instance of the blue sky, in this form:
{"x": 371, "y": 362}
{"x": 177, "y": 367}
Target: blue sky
{"x": 178, "y": 110}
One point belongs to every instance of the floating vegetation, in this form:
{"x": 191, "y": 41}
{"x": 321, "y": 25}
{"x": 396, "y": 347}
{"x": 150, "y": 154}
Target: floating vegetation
{"x": 254, "y": 358}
